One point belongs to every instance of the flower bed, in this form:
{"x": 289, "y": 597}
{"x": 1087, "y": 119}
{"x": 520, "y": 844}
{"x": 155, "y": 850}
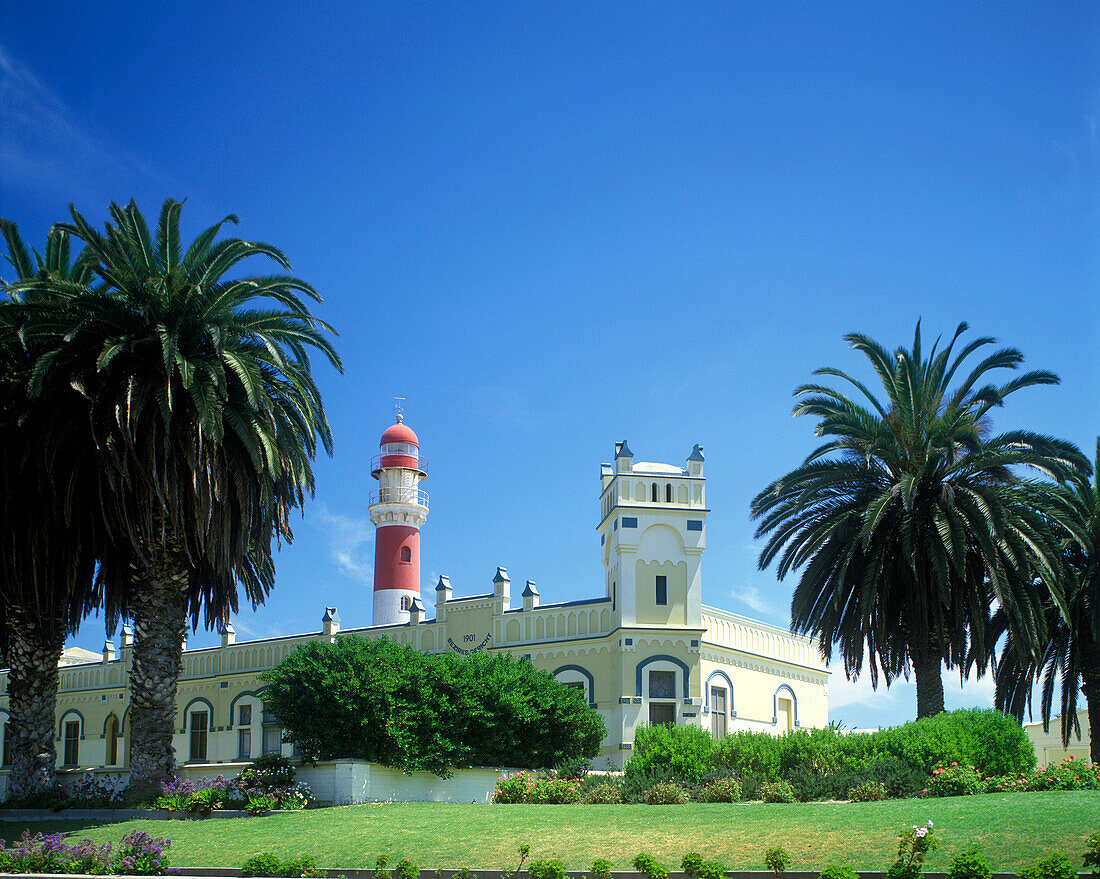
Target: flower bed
{"x": 138, "y": 854}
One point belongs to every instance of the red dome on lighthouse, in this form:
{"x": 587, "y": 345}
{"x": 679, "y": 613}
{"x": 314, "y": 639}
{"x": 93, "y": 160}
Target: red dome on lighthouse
{"x": 400, "y": 433}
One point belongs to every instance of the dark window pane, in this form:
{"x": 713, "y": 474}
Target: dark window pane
{"x": 662, "y": 685}
{"x": 662, "y": 713}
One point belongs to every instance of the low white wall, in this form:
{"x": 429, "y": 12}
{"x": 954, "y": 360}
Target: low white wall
{"x": 355, "y": 781}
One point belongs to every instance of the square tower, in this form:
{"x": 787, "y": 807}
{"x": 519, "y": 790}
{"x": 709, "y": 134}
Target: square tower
{"x": 652, "y": 536}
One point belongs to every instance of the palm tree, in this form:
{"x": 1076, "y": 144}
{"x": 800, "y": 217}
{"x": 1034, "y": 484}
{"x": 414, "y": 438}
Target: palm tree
{"x": 207, "y": 419}
{"x": 910, "y": 520}
{"x": 1072, "y": 649}
{"x": 47, "y": 555}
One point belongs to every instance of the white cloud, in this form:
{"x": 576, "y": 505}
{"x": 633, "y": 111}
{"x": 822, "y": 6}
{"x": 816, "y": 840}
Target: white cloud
{"x": 348, "y": 539}
{"x": 255, "y": 633}
{"x": 753, "y": 598}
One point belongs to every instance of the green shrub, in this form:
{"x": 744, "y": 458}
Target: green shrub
{"x": 777, "y": 860}
{"x": 1055, "y": 866}
{"x": 969, "y": 864}
{"x": 985, "y": 739}
{"x": 381, "y": 868}
{"x": 264, "y": 864}
{"x": 834, "y": 871}
{"x": 406, "y": 869}
{"x": 546, "y": 870}
{"x": 691, "y": 863}
{"x": 695, "y": 867}
{"x": 203, "y": 802}
{"x": 602, "y": 792}
{"x": 721, "y": 790}
{"x": 867, "y": 792}
{"x": 955, "y": 781}
{"x": 665, "y": 793}
{"x": 744, "y": 753}
{"x": 634, "y": 787}
{"x": 1092, "y": 853}
{"x": 682, "y": 751}
{"x": 601, "y": 869}
{"x": 712, "y": 870}
{"x": 374, "y": 699}
{"x": 259, "y": 805}
{"x": 464, "y": 873}
{"x": 650, "y": 867}
{"x": 777, "y": 792}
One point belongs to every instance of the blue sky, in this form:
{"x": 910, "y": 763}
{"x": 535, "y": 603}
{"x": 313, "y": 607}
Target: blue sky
{"x": 555, "y": 226}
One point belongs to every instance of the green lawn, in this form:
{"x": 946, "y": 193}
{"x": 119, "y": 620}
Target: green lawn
{"x": 1012, "y": 829}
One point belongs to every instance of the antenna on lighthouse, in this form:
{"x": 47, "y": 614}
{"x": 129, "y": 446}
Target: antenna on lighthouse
{"x": 399, "y": 408}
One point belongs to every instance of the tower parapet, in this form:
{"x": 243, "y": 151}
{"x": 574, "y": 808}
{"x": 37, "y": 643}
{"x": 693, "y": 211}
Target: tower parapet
{"x": 398, "y": 507}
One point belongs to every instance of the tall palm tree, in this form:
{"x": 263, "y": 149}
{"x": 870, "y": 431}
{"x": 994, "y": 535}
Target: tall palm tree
{"x": 207, "y": 418}
{"x": 47, "y": 555}
{"x": 910, "y": 520}
{"x": 1072, "y": 649}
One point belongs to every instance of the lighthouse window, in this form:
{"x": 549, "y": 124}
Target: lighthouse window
{"x": 406, "y": 602}
{"x": 668, "y": 493}
{"x": 406, "y": 554}
{"x": 662, "y": 590}
{"x": 653, "y": 492}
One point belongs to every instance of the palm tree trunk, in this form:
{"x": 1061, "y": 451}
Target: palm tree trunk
{"x": 1090, "y": 686}
{"x": 35, "y": 650}
{"x": 159, "y": 612}
{"x": 926, "y": 671}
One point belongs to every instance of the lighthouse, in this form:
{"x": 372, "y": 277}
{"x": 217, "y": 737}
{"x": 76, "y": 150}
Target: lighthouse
{"x": 398, "y": 507}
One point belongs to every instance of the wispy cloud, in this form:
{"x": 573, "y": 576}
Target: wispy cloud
{"x": 253, "y": 633}
{"x": 753, "y": 598}
{"x": 44, "y": 147}
{"x": 349, "y": 538}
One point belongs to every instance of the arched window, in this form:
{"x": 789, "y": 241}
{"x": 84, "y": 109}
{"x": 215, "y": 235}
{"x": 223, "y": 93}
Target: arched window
{"x": 668, "y": 493}
{"x": 406, "y": 554}
{"x": 406, "y": 602}
{"x": 653, "y": 492}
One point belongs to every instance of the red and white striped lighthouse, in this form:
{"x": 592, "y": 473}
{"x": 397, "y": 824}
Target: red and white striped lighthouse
{"x": 398, "y": 507}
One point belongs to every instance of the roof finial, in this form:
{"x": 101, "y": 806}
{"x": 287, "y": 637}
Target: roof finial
{"x": 399, "y": 408}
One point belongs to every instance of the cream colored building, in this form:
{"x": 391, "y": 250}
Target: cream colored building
{"x": 1048, "y": 745}
{"x": 646, "y": 649}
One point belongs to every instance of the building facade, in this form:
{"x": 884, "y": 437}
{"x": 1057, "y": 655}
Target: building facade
{"x": 644, "y": 649}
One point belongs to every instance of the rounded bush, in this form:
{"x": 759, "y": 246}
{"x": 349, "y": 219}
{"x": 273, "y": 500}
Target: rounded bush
{"x": 955, "y": 781}
{"x": 721, "y": 790}
{"x": 867, "y": 792}
{"x": 602, "y": 793}
{"x": 665, "y": 793}
{"x": 776, "y": 792}
{"x": 969, "y": 865}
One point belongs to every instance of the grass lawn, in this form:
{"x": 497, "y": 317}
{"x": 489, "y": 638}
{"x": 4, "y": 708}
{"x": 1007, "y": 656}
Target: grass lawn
{"x": 1012, "y": 830}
